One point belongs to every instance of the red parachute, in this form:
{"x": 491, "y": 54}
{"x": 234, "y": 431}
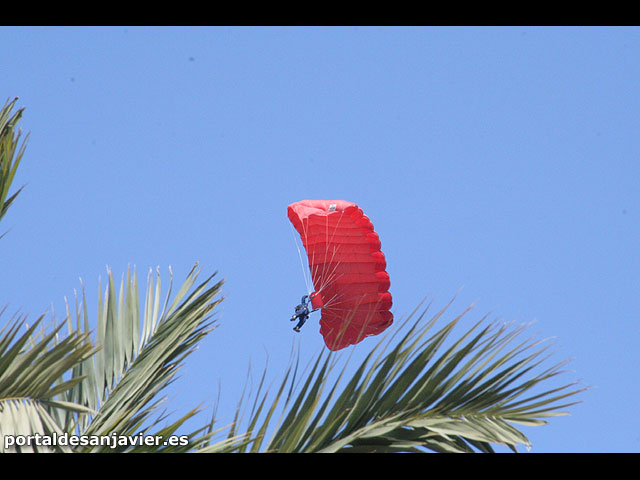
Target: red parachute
{"x": 347, "y": 269}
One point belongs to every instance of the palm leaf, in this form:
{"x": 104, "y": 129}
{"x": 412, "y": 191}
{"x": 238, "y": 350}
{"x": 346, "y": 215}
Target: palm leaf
{"x": 10, "y": 153}
{"x": 31, "y": 380}
{"x": 424, "y": 391}
{"x": 140, "y": 355}
{"x": 53, "y": 384}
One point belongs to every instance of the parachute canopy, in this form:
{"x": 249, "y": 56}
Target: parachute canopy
{"x": 347, "y": 268}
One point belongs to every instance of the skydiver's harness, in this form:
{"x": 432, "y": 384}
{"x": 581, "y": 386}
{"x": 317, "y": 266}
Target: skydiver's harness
{"x": 302, "y": 312}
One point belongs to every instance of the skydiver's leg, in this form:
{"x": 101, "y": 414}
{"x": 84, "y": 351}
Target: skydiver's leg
{"x": 300, "y": 323}
{"x": 303, "y": 319}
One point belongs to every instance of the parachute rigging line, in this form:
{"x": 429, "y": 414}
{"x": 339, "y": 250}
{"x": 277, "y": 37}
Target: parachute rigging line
{"x": 307, "y": 280}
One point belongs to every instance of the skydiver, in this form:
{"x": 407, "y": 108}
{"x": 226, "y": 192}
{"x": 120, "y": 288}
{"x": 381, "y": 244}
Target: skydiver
{"x": 302, "y": 312}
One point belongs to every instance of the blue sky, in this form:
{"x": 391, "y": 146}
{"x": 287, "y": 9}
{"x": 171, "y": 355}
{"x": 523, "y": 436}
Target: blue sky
{"x": 501, "y": 164}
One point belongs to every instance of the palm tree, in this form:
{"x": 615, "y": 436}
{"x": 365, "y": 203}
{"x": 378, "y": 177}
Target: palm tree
{"x": 419, "y": 389}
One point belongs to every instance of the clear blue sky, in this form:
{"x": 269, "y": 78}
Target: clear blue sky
{"x": 503, "y": 161}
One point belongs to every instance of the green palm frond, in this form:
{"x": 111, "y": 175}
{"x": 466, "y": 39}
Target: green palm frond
{"x": 424, "y": 392}
{"x": 31, "y": 385}
{"x": 140, "y": 355}
{"x": 53, "y": 383}
{"x": 10, "y": 153}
